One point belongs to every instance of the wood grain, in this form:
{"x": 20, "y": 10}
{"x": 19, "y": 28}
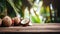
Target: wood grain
{"x": 48, "y": 27}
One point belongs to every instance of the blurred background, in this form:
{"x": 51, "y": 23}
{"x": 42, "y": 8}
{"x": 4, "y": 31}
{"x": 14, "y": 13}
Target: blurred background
{"x": 38, "y": 11}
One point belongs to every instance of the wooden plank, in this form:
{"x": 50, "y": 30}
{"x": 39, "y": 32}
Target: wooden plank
{"x": 48, "y": 27}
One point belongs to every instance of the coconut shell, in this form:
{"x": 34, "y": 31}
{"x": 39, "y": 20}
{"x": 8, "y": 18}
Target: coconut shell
{"x": 25, "y": 22}
{"x": 0, "y": 21}
{"x": 7, "y": 21}
{"x": 17, "y": 21}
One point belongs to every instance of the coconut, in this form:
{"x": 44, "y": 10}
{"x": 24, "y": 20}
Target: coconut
{"x": 17, "y": 21}
{"x": 7, "y": 21}
{"x": 0, "y": 21}
{"x": 25, "y": 22}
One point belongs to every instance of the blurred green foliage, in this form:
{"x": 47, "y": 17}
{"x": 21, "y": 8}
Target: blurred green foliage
{"x": 14, "y": 7}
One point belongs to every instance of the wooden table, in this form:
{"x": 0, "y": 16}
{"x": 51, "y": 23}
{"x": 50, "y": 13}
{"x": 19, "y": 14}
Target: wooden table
{"x": 48, "y": 27}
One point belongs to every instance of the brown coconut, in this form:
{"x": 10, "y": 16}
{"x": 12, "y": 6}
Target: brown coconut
{"x": 0, "y": 21}
{"x": 7, "y": 21}
{"x": 17, "y": 21}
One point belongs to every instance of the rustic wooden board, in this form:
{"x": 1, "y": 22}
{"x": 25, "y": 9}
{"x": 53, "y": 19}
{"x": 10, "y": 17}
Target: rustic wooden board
{"x": 48, "y": 27}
